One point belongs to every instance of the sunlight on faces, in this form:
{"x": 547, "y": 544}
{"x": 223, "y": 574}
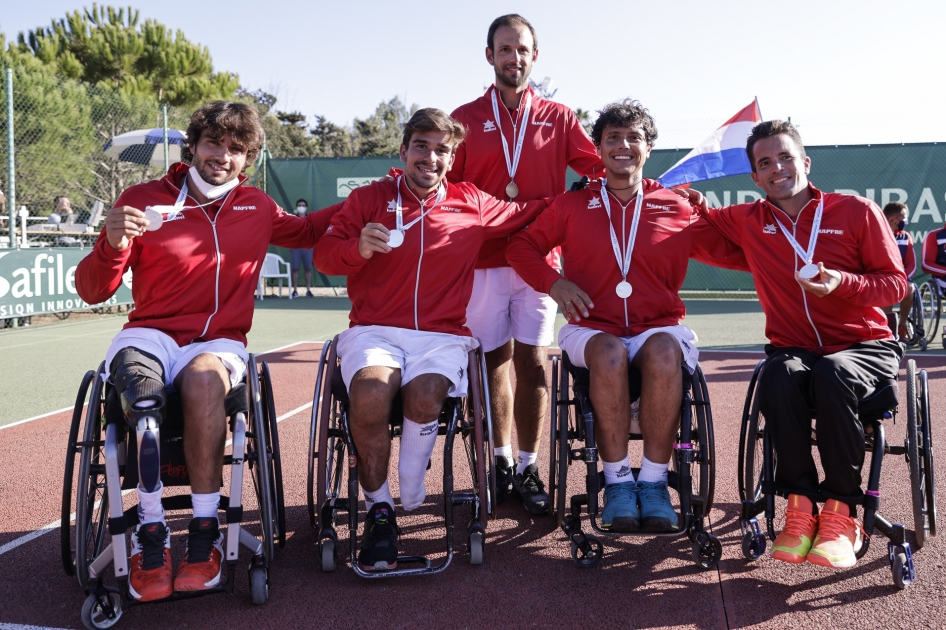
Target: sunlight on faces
{"x": 218, "y": 160}
{"x": 427, "y": 159}
{"x": 623, "y": 151}
{"x": 780, "y": 169}
{"x": 512, "y": 56}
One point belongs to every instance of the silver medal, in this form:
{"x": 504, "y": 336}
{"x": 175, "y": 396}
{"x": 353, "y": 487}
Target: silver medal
{"x": 154, "y": 219}
{"x": 395, "y": 238}
{"x": 512, "y": 190}
{"x": 624, "y": 290}
{"x": 809, "y": 271}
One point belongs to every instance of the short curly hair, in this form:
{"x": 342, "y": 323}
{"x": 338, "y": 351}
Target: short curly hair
{"x": 218, "y": 118}
{"x": 432, "y": 119}
{"x": 624, "y": 114}
{"x": 768, "y": 129}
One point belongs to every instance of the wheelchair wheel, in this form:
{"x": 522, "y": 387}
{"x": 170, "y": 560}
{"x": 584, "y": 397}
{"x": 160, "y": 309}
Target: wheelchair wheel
{"x": 930, "y": 303}
{"x": 703, "y": 475}
{"x": 918, "y": 321}
{"x": 72, "y": 450}
{"x": 330, "y": 459}
{"x": 479, "y": 442}
{"x": 558, "y": 441}
{"x": 929, "y": 480}
{"x": 750, "y": 458}
{"x": 314, "y": 437}
{"x": 269, "y": 410}
{"x": 920, "y": 528}
{"x": 94, "y": 612}
{"x": 259, "y": 461}
{"x": 92, "y": 492}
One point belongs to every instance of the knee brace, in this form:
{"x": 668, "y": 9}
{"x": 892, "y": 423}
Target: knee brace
{"x": 139, "y": 379}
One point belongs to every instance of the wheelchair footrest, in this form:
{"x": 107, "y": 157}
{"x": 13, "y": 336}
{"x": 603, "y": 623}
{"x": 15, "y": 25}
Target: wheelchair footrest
{"x": 464, "y": 498}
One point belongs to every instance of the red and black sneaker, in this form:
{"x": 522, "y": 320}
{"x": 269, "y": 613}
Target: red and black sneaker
{"x": 201, "y": 568}
{"x": 150, "y": 574}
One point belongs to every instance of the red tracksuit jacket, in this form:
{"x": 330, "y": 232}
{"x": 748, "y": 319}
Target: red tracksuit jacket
{"x": 554, "y": 141}
{"x": 934, "y": 253}
{"x": 425, "y": 284}
{"x": 854, "y": 239}
{"x": 195, "y": 277}
{"x": 669, "y": 234}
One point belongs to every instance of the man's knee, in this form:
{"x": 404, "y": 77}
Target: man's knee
{"x": 372, "y": 390}
{"x": 424, "y": 396}
{"x": 781, "y": 373}
{"x": 139, "y": 379}
{"x": 606, "y": 354}
{"x": 205, "y": 377}
{"x": 661, "y": 355}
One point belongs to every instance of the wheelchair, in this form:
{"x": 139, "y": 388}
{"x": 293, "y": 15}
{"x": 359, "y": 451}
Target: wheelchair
{"x": 331, "y": 447}
{"x": 930, "y": 300}
{"x": 757, "y": 465}
{"x": 106, "y": 452}
{"x": 692, "y": 473}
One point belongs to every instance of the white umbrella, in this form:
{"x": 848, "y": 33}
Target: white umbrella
{"x": 145, "y": 146}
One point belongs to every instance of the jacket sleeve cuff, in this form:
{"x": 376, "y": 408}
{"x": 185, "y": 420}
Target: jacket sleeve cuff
{"x": 848, "y": 286}
{"x": 550, "y": 278}
{"x": 111, "y": 253}
{"x": 350, "y": 255}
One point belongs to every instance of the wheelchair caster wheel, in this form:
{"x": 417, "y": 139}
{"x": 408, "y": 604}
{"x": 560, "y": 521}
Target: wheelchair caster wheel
{"x": 707, "y": 554}
{"x": 753, "y": 546}
{"x": 901, "y": 565}
{"x": 923, "y": 344}
{"x": 589, "y": 553}
{"x": 259, "y": 585}
{"x": 95, "y": 615}
{"x": 475, "y": 543}
{"x": 327, "y": 550}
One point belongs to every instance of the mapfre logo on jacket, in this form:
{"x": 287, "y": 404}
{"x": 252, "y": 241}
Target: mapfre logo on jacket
{"x": 238, "y": 208}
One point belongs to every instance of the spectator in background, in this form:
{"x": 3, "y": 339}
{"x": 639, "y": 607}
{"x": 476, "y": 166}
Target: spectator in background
{"x": 301, "y": 257}
{"x": 896, "y": 214}
{"x": 62, "y": 213}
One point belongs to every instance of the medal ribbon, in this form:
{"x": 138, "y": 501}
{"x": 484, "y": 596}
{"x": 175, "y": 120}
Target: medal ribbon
{"x": 624, "y": 264}
{"x": 399, "y": 218}
{"x": 517, "y": 135}
{"x": 807, "y": 256}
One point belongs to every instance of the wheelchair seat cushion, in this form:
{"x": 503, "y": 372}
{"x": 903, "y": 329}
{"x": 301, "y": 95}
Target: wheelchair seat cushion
{"x": 882, "y": 399}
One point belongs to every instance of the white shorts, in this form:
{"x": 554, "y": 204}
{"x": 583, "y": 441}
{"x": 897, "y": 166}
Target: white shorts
{"x": 504, "y": 307}
{"x": 413, "y": 352}
{"x": 175, "y": 358}
{"x": 573, "y": 339}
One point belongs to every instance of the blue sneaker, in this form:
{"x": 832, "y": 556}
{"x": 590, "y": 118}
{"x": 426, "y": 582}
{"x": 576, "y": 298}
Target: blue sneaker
{"x": 657, "y": 515}
{"x": 620, "y": 512}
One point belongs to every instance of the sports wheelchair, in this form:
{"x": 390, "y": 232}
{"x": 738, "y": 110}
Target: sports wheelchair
{"x": 331, "y": 447}
{"x": 692, "y": 473}
{"x": 930, "y": 303}
{"x": 757, "y": 465}
{"x": 108, "y": 469}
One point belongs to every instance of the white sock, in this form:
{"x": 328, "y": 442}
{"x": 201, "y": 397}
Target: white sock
{"x": 150, "y": 509}
{"x": 525, "y": 460}
{"x": 417, "y": 444}
{"x": 504, "y": 452}
{"x": 653, "y": 472}
{"x": 205, "y": 505}
{"x": 381, "y": 495}
{"x": 618, "y": 472}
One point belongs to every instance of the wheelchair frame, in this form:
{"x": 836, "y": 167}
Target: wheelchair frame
{"x": 330, "y": 440}
{"x": 931, "y": 305}
{"x": 757, "y": 488}
{"x": 99, "y": 508}
{"x": 694, "y": 445}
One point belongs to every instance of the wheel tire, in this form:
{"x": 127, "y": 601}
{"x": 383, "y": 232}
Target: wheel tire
{"x": 553, "y": 438}
{"x": 748, "y": 553}
{"x": 259, "y": 585}
{"x": 707, "y": 445}
{"x": 266, "y": 386}
{"x": 924, "y": 418}
{"x": 91, "y": 490}
{"x": 563, "y": 447}
{"x": 897, "y": 570}
{"x": 92, "y": 616}
{"x": 475, "y": 543}
{"x": 913, "y": 456}
{"x": 707, "y": 557}
{"x": 72, "y": 451}
{"x": 314, "y": 453}
{"x": 592, "y": 557}
{"x": 258, "y": 460}
{"x": 746, "y": 474}
{"x": 327, "y": 551}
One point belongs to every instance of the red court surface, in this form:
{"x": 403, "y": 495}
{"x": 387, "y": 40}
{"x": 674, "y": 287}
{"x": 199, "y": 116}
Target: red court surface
{"x": 527, "y": 578}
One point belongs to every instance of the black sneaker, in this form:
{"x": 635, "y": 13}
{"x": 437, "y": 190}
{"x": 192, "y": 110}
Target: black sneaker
{"x": 531, "y": 490}
{"x": 379, "y": 543}
{"x": 504, "y": 474}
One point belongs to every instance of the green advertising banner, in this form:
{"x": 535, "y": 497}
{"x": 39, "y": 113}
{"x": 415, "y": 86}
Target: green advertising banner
{"x": 914, "y": 174}
{"x": 36, "y": 281}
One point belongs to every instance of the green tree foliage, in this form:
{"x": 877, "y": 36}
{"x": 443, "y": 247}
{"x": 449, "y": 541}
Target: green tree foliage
{"x": 381, "y": 133}
{"x": 584, "y": 117}
{"x": 107, "y": 46}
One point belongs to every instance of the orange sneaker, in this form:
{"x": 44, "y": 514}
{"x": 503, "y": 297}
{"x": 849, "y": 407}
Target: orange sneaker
{"x": 839, "y": 537}
{"x": 201, "y": 568}
{"x": 794, "y": 542}
{"x": 150, "y": 565}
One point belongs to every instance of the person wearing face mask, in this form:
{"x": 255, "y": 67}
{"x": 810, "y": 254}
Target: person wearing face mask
{"x": 195, "y": 241}
{"x": 301, "y": 258}
{"x": 896, "y": 214}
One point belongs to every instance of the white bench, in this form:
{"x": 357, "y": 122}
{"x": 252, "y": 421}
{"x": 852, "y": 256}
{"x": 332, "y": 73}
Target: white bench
{"x": 274, "y": 267}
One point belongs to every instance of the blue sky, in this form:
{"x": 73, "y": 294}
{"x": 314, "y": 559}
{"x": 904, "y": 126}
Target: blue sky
{"x": 846, "y": 71}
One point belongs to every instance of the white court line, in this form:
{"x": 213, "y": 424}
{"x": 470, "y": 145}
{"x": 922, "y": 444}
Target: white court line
{"x": 19, "y": 626}
{"x": 45, "y": 529}
{"x": 53, "y": 413}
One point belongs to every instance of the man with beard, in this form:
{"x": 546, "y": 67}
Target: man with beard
{"x": 195, "y": 241}
{"x": 408, "y": 245}
{"x": 519, "y": 147}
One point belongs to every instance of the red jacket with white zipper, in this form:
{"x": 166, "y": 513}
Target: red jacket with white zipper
{"x": 934, "y": 253}
{"x": 195, "y": 277}
{"x": 669, "y": 234}
{"x": 425, "y": 284}
{"x": 854, "y": 239}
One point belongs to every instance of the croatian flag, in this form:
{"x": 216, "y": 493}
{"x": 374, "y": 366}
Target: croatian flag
{"x": 720, "y": 155}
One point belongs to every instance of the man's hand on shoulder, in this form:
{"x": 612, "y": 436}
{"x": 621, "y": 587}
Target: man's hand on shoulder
{"x": 122, "y": 225}
{"x": 821, "y": 285}
{"x": 573, "y": 301}
{"x": 694, "y": 197}
{"x": 374, "y": 238}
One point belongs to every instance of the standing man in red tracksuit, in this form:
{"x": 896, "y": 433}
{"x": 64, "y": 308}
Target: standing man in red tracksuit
{"x": 824, "y": 264}
{"x": 518, "y": 147}
{"x": 195, "y": 241}
{"x": 625, "y": 308}
{"x": 408, "y": 246}
{"x": 896, "y": 214}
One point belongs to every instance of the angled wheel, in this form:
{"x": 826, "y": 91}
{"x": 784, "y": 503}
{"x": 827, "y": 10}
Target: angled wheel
{"x": 259, "y": 461}
{"x": 329, "y": 464}
{"x": 561, "y": 442}
{"x": 920, "y": 527}
{"x": 553, "y": 438}
{"x": 72, "y": 451}
{"x": 480, "y": 443}
{"x": 269, "y": 411}
{"x": 703, "y": 474}
{"x": 311, "y": 499}
{"x": 925, "y": 444}
{"x": 750, "y": 442}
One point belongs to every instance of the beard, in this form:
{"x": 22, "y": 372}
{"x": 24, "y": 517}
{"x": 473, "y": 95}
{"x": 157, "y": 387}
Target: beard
{"x": 513, "y": 83}
{"x": 212, "y": 177}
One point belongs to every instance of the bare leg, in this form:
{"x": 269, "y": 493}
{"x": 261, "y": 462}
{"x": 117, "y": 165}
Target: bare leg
{"x": 203, "y": 385}
{"x": 532, "y": 395}
{"x": 606, "y": 358}
{"x": 906, "y": 305}
{"x": 371, "y": 392}
{"x": 659, "y": 361}
{"x": 500, "y": 393}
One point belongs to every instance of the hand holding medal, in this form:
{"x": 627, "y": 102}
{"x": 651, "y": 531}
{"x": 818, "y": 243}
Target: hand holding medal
{"x": 823, "y": 282}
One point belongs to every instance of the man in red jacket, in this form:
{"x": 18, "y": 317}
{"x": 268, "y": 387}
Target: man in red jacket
{"x": 824, "y": 264}
{"x": 625, "y": 307}
{"x": 408, "y": 246}
{"x": 518, "y": 147}
{"x": 194, "y": 241}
